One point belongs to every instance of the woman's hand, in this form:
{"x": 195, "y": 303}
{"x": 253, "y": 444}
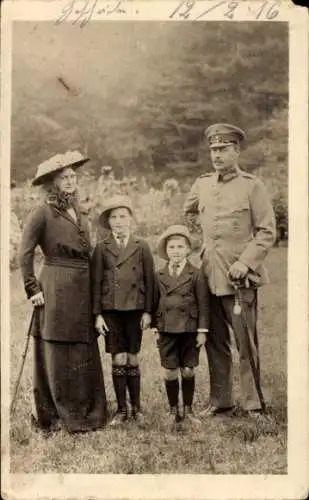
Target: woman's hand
{"x": 37, "y": 300}
{"x": 100, "y": 325}
{"x": 145, "y": 321}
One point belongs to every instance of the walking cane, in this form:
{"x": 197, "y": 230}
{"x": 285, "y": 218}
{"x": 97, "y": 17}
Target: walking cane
{"x": 22, "y": 364}
{"x": 237, "y": 311}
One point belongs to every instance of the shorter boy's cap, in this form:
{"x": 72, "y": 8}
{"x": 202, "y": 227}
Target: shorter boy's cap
{"x": 224, "y": 134}
{"x": 55, "y": 164}
{"x": 117, "y": 201}
{"x": 175, "y": 230}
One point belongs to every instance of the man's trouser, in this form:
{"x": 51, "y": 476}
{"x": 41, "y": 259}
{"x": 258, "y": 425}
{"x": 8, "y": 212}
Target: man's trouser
{"x": 218, "y": 347}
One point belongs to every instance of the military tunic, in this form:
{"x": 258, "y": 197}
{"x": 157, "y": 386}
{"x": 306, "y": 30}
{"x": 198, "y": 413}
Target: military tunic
{"x": 238, "y": 224}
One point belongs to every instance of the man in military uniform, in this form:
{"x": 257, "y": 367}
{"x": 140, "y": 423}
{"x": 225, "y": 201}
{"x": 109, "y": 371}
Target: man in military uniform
{"x": 238, "y": 225}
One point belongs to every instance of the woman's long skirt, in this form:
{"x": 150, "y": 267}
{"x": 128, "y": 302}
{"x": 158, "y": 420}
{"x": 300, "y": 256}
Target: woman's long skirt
{"x": 68, "y": 385}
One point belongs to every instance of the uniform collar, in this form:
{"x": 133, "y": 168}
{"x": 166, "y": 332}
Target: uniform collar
{"x": 228, "y": 175}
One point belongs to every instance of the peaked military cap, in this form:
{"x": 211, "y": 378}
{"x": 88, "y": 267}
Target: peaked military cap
{"x": 46, "y": 170}
{"x": 224, "y": 134}
{"x": 175, "y": 230}
{"x": 117, "y": 201}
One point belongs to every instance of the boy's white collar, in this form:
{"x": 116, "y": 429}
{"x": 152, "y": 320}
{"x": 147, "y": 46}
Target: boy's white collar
{"x": 125, "y": 238}
{"x": 180, "y": 266}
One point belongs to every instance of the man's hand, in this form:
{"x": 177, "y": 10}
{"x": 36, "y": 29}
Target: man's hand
{"x": 238, "y": 270}
{"x": 100, "y": 325}
{"x": 145, "y": 321}
{"x": 200, "y": 339}
{"x": 37, "y": 300}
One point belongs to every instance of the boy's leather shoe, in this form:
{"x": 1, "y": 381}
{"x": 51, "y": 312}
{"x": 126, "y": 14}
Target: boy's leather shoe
{"x": 139, "y": 418}
{"x": 173, "y": 415}
{"x": 188, "y": 416}
{"x": 119, "y": 418}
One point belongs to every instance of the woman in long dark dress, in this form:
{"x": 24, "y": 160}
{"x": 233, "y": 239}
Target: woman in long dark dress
{"x": 68, "y": 384}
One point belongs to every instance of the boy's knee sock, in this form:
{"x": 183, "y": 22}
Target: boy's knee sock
{"x": 172, "y": 391}
{"x": 119, "y": 381}
{"x": 134, "y": 385}
{"x": 188, "y": 386}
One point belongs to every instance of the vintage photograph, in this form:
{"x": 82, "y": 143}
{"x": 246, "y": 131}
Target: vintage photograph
{"x": 148, "y": 248}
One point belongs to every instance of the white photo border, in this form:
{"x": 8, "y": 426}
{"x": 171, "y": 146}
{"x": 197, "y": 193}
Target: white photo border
{"x": 295, "y": 484}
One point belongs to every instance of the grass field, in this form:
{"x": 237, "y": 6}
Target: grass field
{"x": 223, "y": 445}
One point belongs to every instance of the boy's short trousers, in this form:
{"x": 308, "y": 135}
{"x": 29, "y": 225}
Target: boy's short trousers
{"x": 178, "y": 350}
{"x": 125, "y": 334}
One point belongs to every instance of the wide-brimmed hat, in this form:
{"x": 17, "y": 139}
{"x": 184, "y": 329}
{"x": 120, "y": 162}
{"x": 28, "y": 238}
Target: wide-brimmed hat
{"x": 117, "y": 201}
{"x": 45, "y": 171}
{"x": 175, "y": 230}
{"x": 223, "y": 134}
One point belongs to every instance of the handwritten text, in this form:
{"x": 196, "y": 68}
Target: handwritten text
{"x": 90, "y": 8}
{"x": 191, "y": 10}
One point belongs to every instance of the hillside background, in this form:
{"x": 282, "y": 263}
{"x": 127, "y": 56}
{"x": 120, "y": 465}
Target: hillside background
{"x": 138, "y": 95}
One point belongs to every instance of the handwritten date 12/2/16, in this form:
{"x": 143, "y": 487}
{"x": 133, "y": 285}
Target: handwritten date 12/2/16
{"x": 191, "y": 9}
{"x": 82, "y": 13}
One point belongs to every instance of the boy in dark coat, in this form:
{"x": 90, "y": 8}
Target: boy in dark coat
{"x": 182, "y": 323}
{"x": 123, "y": 289}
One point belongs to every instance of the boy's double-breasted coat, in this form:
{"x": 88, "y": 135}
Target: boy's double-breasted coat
{"x": 182, "y": 303}
{"x": 122, "y": 280}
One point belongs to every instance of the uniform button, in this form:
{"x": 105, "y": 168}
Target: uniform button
{"x": 133, "y": 285}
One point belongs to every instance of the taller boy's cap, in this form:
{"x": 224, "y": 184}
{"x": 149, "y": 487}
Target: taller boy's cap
{"x": 48, "y": 168}
{"x": 224, "y": 134}
{"x": 175, "y": 230}
{"x": 117, "y": 201}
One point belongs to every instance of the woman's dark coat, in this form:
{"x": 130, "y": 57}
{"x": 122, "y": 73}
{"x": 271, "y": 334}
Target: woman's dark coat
{"x": 68, "y": 383}
{"x": 64, "y": 279}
